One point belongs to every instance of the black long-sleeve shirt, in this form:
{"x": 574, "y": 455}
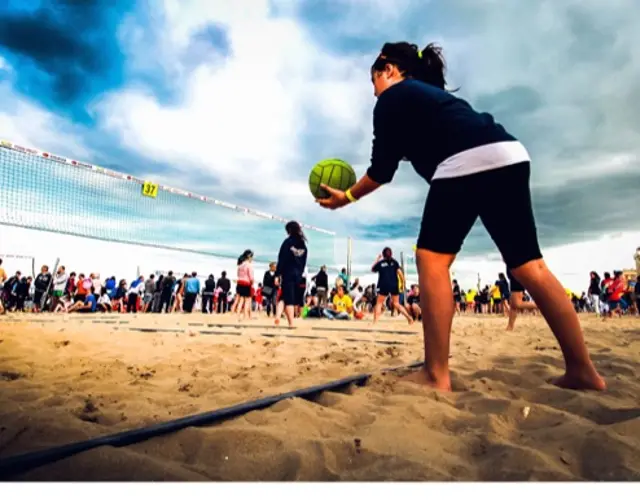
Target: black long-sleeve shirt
{"x": 225, "y": 284}
{"x": 321, "y": 280}
{"x": 269, "y": 280}
{"x": 292, "y": 259}
{"x": 425, "y": 125}
{"x": 209, "y": 286}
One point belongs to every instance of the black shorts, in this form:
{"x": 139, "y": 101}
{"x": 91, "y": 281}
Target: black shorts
{"x": 291, "y": 292}
{"x": 300, "y": 293}
{"x": 388, "y": 290}
{"x": 243, "y": 291}
{"x": 37, "y": 297}
{"x": 497, "y": 302}
{"x": 514, "y": 284}
{"x": 446, "y": 221}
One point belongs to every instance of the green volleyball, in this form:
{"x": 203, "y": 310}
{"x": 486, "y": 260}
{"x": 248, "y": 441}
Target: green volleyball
{"x": 334, "y": 173}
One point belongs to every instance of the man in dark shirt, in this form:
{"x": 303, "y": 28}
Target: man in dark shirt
{"x": 389, "y": 272}
{"x": 167, "y": 289}
{"x": 43, "y": 280}
{"x": 322, "y": 286}
{"x": 149, "y": 291}
{"x": 225, "y": 285}
{"x": 270, "y": 289}
{"x": 21, "y": 291}
{"x": 207, "y": 294}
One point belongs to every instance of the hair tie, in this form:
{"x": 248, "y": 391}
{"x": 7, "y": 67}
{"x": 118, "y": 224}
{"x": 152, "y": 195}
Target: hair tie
{"x": 419, "y": 54}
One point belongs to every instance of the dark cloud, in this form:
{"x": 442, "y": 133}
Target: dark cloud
{"x": 212, "y": 38}
{"x": 64, "y": 51}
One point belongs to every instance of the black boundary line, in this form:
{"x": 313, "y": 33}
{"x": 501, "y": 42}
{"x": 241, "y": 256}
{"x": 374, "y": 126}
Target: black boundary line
{"x": 239, "y": 326}
{"x": 18, "y": 464}
{"x": 268, "y": 335}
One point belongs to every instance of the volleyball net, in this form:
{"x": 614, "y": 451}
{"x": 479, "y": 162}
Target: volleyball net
{"x": 47, "y": 192}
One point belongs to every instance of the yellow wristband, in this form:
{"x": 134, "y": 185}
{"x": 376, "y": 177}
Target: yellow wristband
{"x": 349, "y": 196}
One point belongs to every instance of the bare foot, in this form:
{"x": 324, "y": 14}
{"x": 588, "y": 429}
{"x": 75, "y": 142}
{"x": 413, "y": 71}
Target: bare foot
{"x": 509, "y": 328}
{"x": 410, "y": 320}
{"x": 588, "y": 380}
{"x": 421, "y": 377}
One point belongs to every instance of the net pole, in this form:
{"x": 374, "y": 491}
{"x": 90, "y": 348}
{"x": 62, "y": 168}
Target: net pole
{"x": 45, "y": 295}
{"x": 349, "y": 256}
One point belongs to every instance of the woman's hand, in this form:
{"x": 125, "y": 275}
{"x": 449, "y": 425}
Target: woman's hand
{"x": 336, "y": 199}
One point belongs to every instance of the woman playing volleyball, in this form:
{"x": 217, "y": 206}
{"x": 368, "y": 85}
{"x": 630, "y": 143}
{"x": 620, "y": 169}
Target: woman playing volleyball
{"x": 461, "y": 153}
{"x": 389, "y": 274}
{"x": 292, "y": 261}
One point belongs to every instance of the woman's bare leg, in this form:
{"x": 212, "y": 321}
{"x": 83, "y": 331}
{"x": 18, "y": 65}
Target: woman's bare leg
{"x": 437, "y": 318}
{"x": 395, "y": 302}
{"x": 551, "y": 299}
{"x": 247, "y": 307}
{"x": 289, "y": 313}
{"x": 517, "y": 304}
{"x": 377, "y": 310}
{"x": 279, "y": 309}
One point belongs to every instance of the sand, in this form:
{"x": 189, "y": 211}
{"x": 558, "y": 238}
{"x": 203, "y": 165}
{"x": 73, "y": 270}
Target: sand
{"x": 69, "y": 378}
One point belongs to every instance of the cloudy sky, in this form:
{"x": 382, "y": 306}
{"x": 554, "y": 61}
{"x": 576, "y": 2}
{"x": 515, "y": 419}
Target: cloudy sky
{"x": 239, "y": 105}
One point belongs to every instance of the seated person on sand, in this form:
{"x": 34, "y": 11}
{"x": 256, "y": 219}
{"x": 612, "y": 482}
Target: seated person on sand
{"x": 413, "y": 303}
{"x": 89, "y": 305}
{"x": 104, "y": 302}
{"x": 357, "y": 296}
{"x": 341, "y": 307}
{"x": 120, "y": 297}
{"x": 64, "y": 303}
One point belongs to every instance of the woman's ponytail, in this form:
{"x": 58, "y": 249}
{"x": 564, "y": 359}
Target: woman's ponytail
{"x": 294, "y": 229}
{"x": 427, "y": 65}
{"x": 431, "y": 66}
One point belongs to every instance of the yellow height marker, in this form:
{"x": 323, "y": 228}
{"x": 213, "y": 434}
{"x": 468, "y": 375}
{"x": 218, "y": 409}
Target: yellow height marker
{"x": 149, "y": 189}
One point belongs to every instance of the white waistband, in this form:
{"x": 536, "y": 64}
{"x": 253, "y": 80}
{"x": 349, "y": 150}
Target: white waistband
{"x": 481, "y": 159}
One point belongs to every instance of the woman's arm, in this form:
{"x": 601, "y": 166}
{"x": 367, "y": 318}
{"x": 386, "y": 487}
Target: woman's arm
{"x": 385, "y": 156}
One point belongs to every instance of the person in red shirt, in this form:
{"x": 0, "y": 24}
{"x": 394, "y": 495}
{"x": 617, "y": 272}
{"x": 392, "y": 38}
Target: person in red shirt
{"x": 258, "y": 298}
{"x": 616, "y": 291}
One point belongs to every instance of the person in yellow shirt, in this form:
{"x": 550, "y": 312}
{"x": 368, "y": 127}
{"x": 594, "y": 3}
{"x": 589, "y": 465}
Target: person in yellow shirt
{"x": 342, "y": 306}
{"x": 470, "y": 298}
{"x": 3, "y": 278}
{"x": 496, "y": 296}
